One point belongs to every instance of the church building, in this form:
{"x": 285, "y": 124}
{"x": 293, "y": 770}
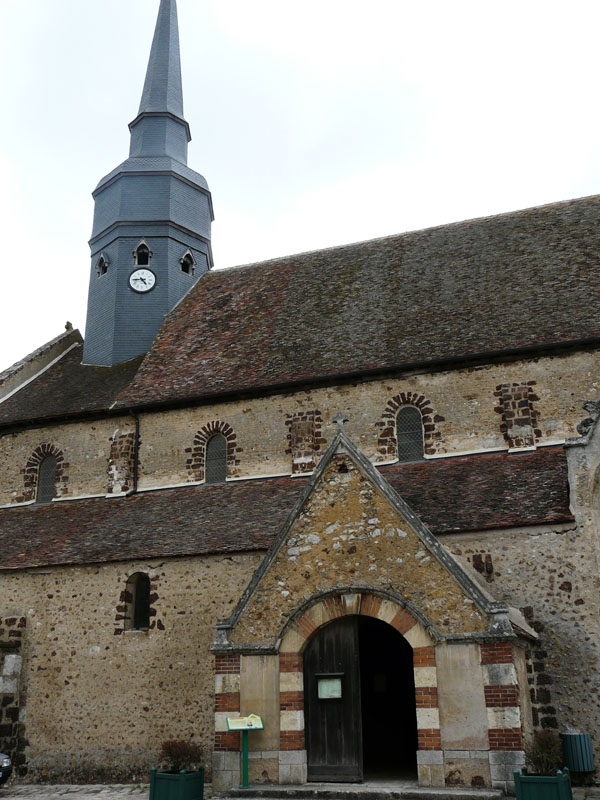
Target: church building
{"x": 355, "y": 491}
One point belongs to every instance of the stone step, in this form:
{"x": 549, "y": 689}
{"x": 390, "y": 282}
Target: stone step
{"x": 362, "y": 791}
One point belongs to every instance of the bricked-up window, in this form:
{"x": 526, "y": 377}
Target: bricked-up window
{"x": 409, "y": 434}
{"x": 216, "y": 459}
{"x": 137, "y": 597}
{"x": 142, "y": 255}
{"x": 46, "y": 487}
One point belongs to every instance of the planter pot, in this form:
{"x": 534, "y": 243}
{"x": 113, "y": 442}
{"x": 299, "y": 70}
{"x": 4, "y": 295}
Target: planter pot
{"x": 542, "y": 787}
{"x": 177, "y": 785}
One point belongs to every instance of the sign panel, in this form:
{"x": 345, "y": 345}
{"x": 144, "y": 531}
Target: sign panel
{"x": 329, "y": 688}
{"x": 250, "y": 723}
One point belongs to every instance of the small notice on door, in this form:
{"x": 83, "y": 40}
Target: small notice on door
{"x": 250, "y": 723}
{"x": 329, "y": 688}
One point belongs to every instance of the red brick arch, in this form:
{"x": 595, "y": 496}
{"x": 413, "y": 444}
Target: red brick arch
{"x": 387, "y": 444}
{"x": 297, "y": 634}
{"x": 31, "y": 471}
{"x": 196, "y": 461}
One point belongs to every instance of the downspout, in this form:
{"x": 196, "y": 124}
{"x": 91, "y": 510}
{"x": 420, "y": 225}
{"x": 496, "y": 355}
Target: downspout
{"x": 136, "y": 453}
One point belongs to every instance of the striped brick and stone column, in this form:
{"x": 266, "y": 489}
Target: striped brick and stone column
{"x": 501, "y": 688}
{"x": 226, "y": 759}
{"x": 430, "y": 758}
{"x": 292, "y": 747}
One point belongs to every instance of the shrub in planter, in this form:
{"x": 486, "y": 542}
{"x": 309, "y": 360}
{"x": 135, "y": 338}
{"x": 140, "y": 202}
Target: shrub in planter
{"x": 544, "y": 754}
{"x": 183, "y": 777}
{"x": 544, "y": 758}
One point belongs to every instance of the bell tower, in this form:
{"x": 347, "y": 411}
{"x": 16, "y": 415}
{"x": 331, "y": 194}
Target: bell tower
{"x": 152, "y": 216}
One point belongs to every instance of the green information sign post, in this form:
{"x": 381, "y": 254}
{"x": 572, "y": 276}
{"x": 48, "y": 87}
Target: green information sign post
{"x": 244, "y": 724}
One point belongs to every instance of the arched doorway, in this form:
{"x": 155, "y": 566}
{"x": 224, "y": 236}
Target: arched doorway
{"x": 360, "y": 712}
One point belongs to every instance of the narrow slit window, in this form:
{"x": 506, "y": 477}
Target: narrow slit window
{"x": 409, "y": 434}
{"x": 142, "y": 255}
{"x": 137, "y": 595}
{"x": 46, "y": 480}
{"x": 216, "y": 459}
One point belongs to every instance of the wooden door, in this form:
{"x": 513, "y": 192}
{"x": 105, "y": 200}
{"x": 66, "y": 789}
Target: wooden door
{"x": 332, "y": 703}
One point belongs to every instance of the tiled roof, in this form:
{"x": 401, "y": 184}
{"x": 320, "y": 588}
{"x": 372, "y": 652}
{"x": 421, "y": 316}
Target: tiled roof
{"x": 450, "y": 495}
{"x": 523, "y": 280}
{"x": 67, "y": 388}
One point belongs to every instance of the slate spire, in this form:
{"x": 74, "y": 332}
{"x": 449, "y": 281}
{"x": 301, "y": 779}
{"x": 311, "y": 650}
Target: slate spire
{"x": 152, "y": 217}
{"x": 159, "y": 128}
{"x": 162, "y": 88}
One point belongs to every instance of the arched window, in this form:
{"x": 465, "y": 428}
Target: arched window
{"x": 142, "y": 255}
{"x": 46, "y": 485}
{"x": 409, "y": 434}
{"x": 188, "y": 264}
{"x": 215, "y": 470}
{"x": 137, "y": 598}
{"x": 102, "y": 266}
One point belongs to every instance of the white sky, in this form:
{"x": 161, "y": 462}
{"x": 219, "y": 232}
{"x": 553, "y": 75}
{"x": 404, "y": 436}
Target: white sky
{"x": 315, "y": 122}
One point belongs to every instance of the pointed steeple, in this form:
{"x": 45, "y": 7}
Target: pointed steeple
{"x": 162, "y": 89}
{"x": 159, "y": 128}
{"x": 152, "y": 216}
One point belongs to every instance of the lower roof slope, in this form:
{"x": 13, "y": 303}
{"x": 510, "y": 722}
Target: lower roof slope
{"x": 67, "y": 388}
{"x": 528, "y": 279}
{"x": 483, "y": 492}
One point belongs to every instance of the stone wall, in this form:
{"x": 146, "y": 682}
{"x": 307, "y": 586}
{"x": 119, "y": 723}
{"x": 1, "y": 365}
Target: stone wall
{"x": 95, "y": 459}
{"x": 551, "y": 574}
{"x": 348, "y": 534}
{"x": 462, "y": 412}
{"x": 12, "y": 693}
{"x": 99, "y": 704}
{"x": 493, "y": 407}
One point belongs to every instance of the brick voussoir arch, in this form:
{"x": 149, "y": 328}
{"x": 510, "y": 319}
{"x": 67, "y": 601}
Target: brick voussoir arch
{"x": 325, "y": 608}
{"x": 387, "y": 443}
{"x": 31, "y": 471}
{"x": 379, "y": 604}
{"x": 196, "y": 461}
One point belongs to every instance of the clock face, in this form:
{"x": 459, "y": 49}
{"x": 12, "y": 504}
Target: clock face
{"x": 142, "y": 280}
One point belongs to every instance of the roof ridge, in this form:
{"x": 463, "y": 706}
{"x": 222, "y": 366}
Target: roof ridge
{"x": 11, "y": 371}
{"x": 412, "y": 231}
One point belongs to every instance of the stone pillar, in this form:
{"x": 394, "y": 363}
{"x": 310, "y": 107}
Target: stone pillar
{"x": 12, "y": 714}
{"x": 226, "y": 756}
{"x": 430, "y": 759}
{"x": 292, "y": 750}
{"x": 504, "y": 714}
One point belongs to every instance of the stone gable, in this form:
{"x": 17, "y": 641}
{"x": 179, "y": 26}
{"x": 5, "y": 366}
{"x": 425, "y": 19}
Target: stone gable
{"x": 347, "y": 534}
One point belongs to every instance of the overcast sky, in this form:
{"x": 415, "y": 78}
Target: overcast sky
{"x": 316, "y": 123}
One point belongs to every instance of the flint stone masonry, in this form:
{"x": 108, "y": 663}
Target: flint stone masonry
{"x": 67, "y": 666}
{"x": 530, "y": 566}
{"x": 348, "y": 533}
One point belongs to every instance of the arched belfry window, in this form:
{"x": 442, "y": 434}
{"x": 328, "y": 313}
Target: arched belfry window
{"x": 188, "y": 264}
{"x": 409, "y": 434}
{"x": 46, "y": 485}
{"x": 216, "y": 459}
{"x": 102, "y": 265}
{"x": 137, "y": 597}
{"x": 142, "y": 254}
